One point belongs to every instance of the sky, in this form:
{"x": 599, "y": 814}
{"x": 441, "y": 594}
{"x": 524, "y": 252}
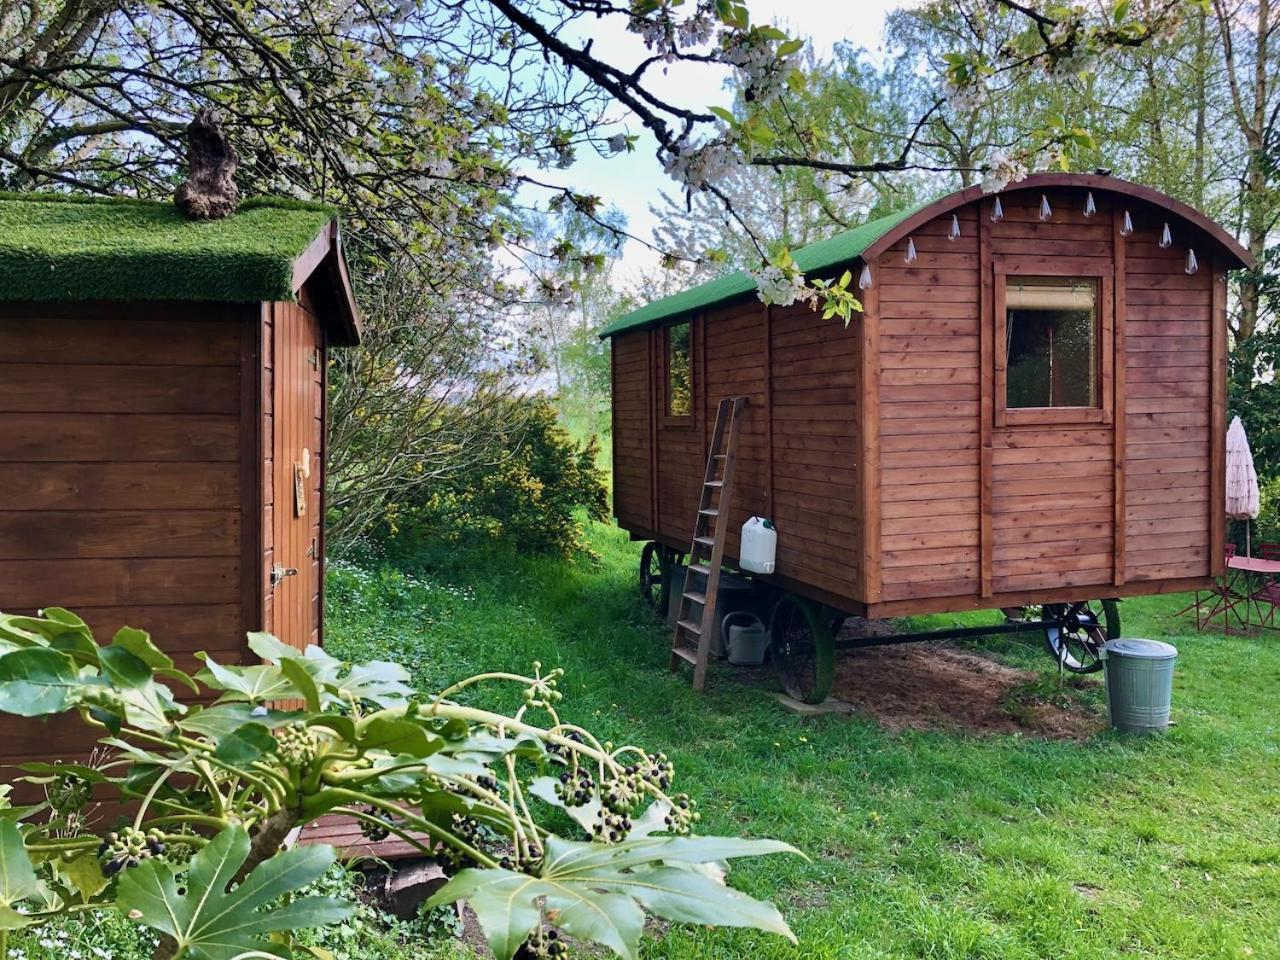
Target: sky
{"x": 632, "y": 181}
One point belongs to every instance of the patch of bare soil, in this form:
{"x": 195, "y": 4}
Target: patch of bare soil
{"x": 934, "y": 686}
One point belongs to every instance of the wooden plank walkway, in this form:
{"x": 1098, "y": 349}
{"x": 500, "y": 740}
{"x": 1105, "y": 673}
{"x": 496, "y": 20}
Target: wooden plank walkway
{"x": 344, "y": 833}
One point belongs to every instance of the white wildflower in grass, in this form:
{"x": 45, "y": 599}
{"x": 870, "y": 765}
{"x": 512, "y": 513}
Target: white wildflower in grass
{"x": 1001, "y": 171}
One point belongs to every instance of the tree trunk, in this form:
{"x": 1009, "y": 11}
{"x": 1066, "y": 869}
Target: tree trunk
{"x": 1256, "y": 176}
{"x": 1201, "y": 67}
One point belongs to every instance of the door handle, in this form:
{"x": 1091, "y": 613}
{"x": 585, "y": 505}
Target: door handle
{"x": 278, "y": 573}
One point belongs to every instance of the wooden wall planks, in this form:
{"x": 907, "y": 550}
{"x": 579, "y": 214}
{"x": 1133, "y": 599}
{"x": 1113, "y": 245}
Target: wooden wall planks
{"x": 930, "y": 401}
{"x": 1168, "y": 439}
{"x": 125, "y": 478}
{"x": 632, "y": 438}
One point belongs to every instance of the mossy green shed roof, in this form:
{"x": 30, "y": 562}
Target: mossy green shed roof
{"x": 841, "y": 248}
{"x": 57, "y": 247}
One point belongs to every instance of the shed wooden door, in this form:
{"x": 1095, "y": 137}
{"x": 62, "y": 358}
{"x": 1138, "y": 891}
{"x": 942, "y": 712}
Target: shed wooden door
{"x": 298, "y": 437}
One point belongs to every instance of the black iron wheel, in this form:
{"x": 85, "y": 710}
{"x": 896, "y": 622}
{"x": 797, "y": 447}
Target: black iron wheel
{"x": 653, "y": 575}
{"x": 802, "y": 649}
{"x": 1085, "y": 628}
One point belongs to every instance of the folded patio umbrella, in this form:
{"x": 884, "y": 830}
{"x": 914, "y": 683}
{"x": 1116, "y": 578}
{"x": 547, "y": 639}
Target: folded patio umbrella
{"x": 1242, "y": 480}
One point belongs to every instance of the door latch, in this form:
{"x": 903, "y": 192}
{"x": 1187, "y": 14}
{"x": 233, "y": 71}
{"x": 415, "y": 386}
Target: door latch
{"x": 278, "y": 573}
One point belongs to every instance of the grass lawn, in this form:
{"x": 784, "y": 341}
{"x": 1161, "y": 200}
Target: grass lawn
{"x": 920, "y": 844}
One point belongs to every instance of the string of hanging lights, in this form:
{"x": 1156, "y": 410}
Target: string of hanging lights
{"x": 1046, "y": 213}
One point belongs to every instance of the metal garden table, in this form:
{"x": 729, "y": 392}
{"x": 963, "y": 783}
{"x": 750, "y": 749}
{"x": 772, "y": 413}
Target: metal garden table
{"x": 1248, "y": 595}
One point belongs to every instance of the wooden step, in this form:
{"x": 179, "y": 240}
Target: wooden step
{"x": 705, "y": 541}
{"x": 696, "y": 597}
{"x": 685, "y": 654}
{"x": 691, "y": 626}
{"x": 714, "y": 483}
{"x": 701, "y": 568}
{"x": 710, "y": 511}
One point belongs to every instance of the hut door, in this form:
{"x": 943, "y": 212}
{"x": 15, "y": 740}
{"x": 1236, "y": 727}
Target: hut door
{"x": 297, "y": 409}
{"x": 1053, "y": 458}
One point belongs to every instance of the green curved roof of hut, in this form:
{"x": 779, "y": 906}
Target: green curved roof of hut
{"x": 841, "y": 248}
{"x": 62, "y": 247}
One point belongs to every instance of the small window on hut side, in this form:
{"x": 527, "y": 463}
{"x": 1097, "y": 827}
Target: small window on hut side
{"x": 1051, "y": 343}
{"x": 679, "y": 371}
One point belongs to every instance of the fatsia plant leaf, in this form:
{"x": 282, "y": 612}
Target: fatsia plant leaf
{"x": 597, "y": 892}
{"x": 17, "y": 877}
{"x": 24, "y": 631}
{"x": 37, "y": 681}
{"x": 245, "y": 744}
{"x": 84, "y": 874}
{"x": 506, "y": 903}
{"x": 378, "y": 681}
{"x": 260, "y": 683}
{"x": 209, "y": 923}
{"x": 584, "y": 815}
{"x": 140, "y": 644}
{"x": 225, "y": 718}
{"x": 396, "y": 735}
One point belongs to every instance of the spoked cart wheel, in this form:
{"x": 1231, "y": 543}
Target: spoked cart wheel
{"x": 802, "y": 649}
{"x": 1086, "y": 627}
{"x": 653, "y": 576}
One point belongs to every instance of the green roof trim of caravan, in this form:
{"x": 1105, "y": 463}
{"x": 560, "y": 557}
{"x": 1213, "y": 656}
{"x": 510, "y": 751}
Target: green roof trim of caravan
{"x": 64, "y": 247}
{"x": 841, "y": 248}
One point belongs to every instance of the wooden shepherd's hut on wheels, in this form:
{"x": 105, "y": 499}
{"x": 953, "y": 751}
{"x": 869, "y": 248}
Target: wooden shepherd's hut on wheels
{"x": 1029, "y": 411}
{"x": 162, "y": 423}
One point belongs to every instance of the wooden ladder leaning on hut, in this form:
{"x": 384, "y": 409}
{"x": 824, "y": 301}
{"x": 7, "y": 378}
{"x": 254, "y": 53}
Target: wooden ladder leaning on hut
{"x": 692, "y": 640}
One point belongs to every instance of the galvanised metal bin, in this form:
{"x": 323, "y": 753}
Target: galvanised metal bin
{"x": 1139, "y": 678}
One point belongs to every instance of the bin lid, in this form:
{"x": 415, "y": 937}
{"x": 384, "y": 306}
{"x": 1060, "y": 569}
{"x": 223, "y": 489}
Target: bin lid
{"x": 1142, "y": 649}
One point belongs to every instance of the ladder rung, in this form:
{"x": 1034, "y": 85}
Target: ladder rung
{"x": 684, "y": 653}
{"x": 705, "y": 541}
{"x": 710, "y": 511}
{"x": 691, "y": 627}
{"x": 714, "y": 483}
{"x": 696, "y": 597}
{"x": 701, "y": 568}
{"x": 718, "y": 456}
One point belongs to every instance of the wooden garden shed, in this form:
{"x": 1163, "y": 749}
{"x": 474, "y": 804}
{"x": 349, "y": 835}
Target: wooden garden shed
{"x": 1031, "y": 409}
{"x": 162, "y": 434}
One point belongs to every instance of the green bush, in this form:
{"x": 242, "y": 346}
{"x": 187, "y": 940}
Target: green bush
{"x": 529, "y": 492}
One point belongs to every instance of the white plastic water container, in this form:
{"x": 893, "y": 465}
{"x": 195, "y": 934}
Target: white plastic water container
{"x": 759, "y": 546}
